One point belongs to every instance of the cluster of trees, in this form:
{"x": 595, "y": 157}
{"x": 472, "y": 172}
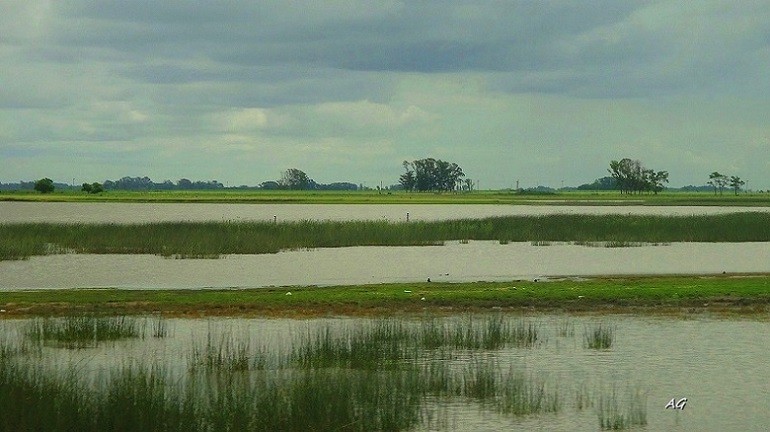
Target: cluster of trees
{"x": 632, "y": 177}
{"x": 719, "y": 181}
{"x": 432, "y": 175}
{"x": 296, "y": 179}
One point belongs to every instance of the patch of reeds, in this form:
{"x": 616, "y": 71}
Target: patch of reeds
{"x": 525, "y": 395}
{"x": 82, "y": 331}
{"x": 565, "y": 328}
{"x": 616, "y": 412}
{"x": 224, "y": 353}
{"x": 141, "y": 398}
{"x": 599, "y": 336}
{"x": 212, "y": 239}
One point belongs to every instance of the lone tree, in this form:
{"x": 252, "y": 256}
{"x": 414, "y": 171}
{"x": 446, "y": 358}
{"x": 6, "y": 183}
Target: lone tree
{"x": 632, "y": 177}
{"x": 718, "y": 181}
{"x": 431, "y": 175}
{"x": 44, "y": 185}
{"x": 92, "y": 188}
{"x": 736, "y": 183}
{"x": 295, "y": 179}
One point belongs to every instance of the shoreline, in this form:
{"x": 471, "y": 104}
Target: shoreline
{"x": 723, "y": 294}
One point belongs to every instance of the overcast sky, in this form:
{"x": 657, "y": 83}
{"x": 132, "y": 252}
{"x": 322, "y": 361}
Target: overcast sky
{"x": 542, "y": 92}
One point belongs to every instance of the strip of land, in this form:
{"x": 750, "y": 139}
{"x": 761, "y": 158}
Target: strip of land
{"x": 743, "y": 294}
{"x": 213, "y": 239}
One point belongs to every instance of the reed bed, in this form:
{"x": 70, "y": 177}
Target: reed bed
{"x": 377, "y": 375}
{"x": 213, "y": 239}
{"x": 599, "y": 336}
{"x": 83, "y": 331}
{"x": 616, "y": 412}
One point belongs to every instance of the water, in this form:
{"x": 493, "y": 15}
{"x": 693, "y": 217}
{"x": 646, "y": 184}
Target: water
{"x": 719, "y": 365}
{"x": 124, "y": 213}
{"x": 453, "y": 262}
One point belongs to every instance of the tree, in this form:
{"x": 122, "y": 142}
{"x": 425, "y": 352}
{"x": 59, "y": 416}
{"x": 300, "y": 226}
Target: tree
{"x": 718, "y": 181}
{"x": 44, "y": 185}
{"x": 431, "y": 175}
{"x": 295, "y": 179}
{"x": 631, "y": 176}
{"x": 92, "y": 188}
{"x": 736, "y": 183}
{"x": 408, "y": 180}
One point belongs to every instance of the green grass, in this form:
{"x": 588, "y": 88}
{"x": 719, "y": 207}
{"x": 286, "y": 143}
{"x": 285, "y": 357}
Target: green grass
{"x": 396, "y": 197}
{"x": 212, "y": 239}
{"x": 615, "y": 294}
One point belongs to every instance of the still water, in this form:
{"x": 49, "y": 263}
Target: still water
{"x": 719, "y": 365}
{"x": 453, "y": 262}
{"x": 124, "y": 213}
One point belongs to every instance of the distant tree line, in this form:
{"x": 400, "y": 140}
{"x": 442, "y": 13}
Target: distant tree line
{"x": 145, "y": 183}
{"x": 432, "y": 175}
{"x": 632, "y": 177}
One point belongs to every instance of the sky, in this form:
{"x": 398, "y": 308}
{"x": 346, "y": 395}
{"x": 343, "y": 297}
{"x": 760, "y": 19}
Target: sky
{"x": 535, "y": 92}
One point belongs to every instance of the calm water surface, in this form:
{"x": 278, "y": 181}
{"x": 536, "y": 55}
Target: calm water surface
{"x": 719, "y": 365}
{"x": 124, "y": 213}
{"x": 453, "y": 262}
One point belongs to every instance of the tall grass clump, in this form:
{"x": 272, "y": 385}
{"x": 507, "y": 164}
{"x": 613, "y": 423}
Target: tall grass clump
{"x": 374, "y": 345}
{"x": 225, "y": 354}
{"x": 616, "y": 413}
{"x": 82, "y": 331}
{"x": 523, "y": 395}
{"x": 599, "y": 336}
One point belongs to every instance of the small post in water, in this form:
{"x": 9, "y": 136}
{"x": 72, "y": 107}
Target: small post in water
{"x": 275, "y": 219}
{"x": 407, "y": 216}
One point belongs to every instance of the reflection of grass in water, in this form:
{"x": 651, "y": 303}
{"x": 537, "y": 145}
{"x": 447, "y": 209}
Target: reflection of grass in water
{"x": 83, "y": 331}
{"x": 599, "y": 336}
{"x": 525, "y": 395}
{"x": 622, "y": 413}
{"x": 565, "y": 328}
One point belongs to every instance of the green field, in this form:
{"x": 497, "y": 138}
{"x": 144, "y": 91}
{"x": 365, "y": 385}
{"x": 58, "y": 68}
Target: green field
{"x": 658, "y": 294}
{"x": 213, "y": 239}
{"x": 397, "y": 197}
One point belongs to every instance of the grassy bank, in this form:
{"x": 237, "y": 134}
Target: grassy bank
{"x": 721, "y": 293}
{"x": 396, "y": 197}
{"x": 211, "y": 239}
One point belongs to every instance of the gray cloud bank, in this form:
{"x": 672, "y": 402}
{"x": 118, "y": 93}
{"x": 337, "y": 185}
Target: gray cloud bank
{"x": 512, "y": 90}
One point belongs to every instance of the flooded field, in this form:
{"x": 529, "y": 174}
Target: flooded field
{"x": 453, "y": 262}
{"x": 456, "y": 373}
{"x": 126, "y": 213}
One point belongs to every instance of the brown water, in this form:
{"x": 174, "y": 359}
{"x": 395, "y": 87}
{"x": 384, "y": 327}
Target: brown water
{"x": 720, "y": 366}
{"x": 124, "y": 213}
{"x": 454, "y": 262}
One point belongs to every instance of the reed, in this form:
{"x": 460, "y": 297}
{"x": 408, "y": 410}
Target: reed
{"x": 525, "y": 395}
{"x": 82, "y": 331}
{"x": 599, "y": 336}
{"x": 212, "y": 239}
{"x": 224, "y": 353}
{"x": 616, "y": 413}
